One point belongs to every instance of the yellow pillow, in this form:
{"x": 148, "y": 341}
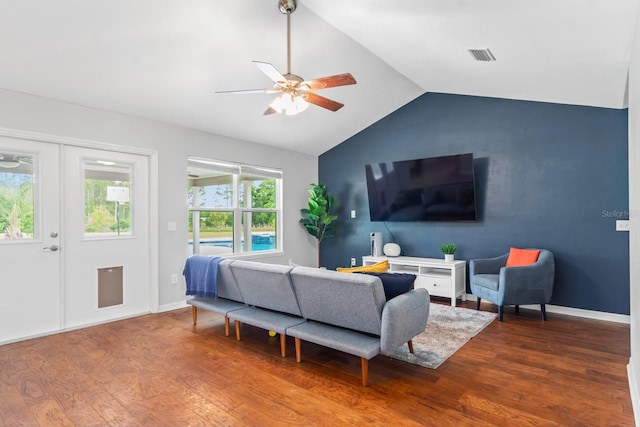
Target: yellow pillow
{"x": 378, "y": 267}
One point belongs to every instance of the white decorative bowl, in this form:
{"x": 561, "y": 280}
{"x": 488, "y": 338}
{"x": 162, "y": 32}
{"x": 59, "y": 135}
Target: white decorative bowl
{"x": 391, "y": 249}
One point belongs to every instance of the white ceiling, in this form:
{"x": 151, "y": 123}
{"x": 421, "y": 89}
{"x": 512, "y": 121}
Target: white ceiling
{"x": 163, "y": 59}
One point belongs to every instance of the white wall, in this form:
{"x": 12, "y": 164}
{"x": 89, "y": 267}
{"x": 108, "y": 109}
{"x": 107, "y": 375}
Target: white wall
{"x": 173, "y": 144}
{"x": 634, "y": 216}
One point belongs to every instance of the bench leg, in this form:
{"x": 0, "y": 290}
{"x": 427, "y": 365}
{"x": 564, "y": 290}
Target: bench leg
{"x": 365, "y": 371}
{"x": 226, "y": 326}
{"x": 237, "y": 330}
{"x": 410, "y": 344}
{"x": 298, "y": 358}
{"x": 194, "y": 313}
{"x": 283, "y": 345}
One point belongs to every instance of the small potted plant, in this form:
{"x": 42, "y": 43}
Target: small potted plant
{"x": 448, "y": 249}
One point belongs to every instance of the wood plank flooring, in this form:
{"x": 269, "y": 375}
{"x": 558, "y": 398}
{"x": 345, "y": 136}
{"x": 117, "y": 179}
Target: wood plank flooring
{"x": 160, "y": 370}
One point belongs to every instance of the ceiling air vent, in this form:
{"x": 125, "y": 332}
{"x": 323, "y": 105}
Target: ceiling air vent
{"x": 482, "y": 54}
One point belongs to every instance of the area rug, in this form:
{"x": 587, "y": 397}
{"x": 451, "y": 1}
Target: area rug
{"x": 448, "y": 329}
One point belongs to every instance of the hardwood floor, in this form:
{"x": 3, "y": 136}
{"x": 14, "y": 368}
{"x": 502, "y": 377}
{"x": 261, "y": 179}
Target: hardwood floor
{"x": 160, "y": 370}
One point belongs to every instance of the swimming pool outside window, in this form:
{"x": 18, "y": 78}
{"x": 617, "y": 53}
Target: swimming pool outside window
{"x": 233, "y": 208}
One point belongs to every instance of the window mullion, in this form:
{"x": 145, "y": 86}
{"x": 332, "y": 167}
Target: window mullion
{"x": 279, "y": 214}
{"x": 237, "y": 215}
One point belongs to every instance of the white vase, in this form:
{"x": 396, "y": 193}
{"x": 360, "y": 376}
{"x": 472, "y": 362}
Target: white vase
{"x": 448, "y": 257}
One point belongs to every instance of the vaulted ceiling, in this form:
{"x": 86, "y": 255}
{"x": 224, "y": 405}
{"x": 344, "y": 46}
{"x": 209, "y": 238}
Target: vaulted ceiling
{"x": 164, "y": 59}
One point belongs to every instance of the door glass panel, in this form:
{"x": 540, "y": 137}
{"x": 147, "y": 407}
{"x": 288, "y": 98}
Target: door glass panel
{"x": 107, "y": 200}
{"x": 17, "y": 188}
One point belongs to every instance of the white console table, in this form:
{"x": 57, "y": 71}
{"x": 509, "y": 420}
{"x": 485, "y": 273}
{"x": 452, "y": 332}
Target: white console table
{"x": 440, "y": 278}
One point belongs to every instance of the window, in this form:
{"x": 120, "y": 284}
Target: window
{"x": 16, "y": 196}
{"x": 233, "y": 208}
{"x": 107, "y": 207}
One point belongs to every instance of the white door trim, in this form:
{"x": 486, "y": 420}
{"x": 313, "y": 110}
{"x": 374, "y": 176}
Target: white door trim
{"x": 153, "y": 191}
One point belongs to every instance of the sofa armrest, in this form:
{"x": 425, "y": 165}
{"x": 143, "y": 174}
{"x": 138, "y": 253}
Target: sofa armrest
{"x": 533, "y": 283}
{"x": 403, "y": 317}
{"x": 487, "y": 266}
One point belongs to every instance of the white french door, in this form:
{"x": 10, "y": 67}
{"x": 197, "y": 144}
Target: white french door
{"x": 29, "y": 238}
{"x": 74, "y": 237}
{"x": 106, "y": 258}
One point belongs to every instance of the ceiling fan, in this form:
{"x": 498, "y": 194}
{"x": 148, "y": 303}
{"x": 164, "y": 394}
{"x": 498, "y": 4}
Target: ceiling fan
{"x": 10, "y": 161}
{"x": 296, "y": 93}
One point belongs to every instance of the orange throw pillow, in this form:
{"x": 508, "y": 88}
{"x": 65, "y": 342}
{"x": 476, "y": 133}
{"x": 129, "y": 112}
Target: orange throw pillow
{"x": 520, "y": 257}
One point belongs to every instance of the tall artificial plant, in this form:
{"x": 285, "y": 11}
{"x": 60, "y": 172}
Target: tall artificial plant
{"x": 318, "y": 219}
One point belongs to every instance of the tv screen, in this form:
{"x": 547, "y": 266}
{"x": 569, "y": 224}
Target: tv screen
{"x": 430, "y": 189}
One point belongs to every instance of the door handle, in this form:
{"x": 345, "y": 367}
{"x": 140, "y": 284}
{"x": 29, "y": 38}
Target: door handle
{"x": 51, "y": 248}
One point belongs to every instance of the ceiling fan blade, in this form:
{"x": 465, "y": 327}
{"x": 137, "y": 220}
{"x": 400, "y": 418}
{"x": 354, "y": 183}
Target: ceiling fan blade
{"x": 330, "y": 81}
{"x": 270, "y": 71}
{"x": 269, "y": 111}
{"x": 323, "y": 102}
{"x": 241, "y": 92}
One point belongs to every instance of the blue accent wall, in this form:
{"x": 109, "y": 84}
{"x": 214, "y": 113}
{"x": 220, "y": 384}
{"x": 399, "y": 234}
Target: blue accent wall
{"x": 547, "y": 175}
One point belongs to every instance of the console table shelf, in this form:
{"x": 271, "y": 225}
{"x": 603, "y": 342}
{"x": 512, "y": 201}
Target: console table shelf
{"x": 439, "y": 277}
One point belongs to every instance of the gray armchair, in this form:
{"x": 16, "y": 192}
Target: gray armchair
{"x": 490, "y": 279}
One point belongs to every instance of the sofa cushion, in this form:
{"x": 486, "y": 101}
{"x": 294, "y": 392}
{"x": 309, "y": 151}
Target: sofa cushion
{"x": 395, "y": 284}
{"x": 338, "y": 338}
{"x": 521, "y": 257}
{"x": 217, "y": 305}
{"x": 378, "y": 267}
{"x": 353, "y": 301}
{"x": 489, "y": 281}
{"x": 265, "y": 319}
{"x": 266, "y": 285}
{"x": 227, "y": 286}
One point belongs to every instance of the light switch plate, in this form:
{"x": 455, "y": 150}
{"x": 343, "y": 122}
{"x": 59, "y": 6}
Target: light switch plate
{"x": 622, "y": 225}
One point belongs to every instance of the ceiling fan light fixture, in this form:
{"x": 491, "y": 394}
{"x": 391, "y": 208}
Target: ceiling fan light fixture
{"x": 9, "y": 164}
{"x": 289, "y": 104}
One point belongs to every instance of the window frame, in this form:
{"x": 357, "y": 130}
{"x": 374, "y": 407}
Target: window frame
{"x": 103, "y": 166}
{"x": 236, "y": 170}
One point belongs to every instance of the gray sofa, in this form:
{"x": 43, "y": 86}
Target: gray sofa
{"x": 346, "y": 312}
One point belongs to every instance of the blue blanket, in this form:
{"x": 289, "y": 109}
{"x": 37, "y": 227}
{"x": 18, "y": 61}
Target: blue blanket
{"x": 201, "y": 274}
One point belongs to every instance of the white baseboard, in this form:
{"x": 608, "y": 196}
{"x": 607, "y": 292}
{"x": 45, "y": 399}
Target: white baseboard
{"x": 578, "y": 312}
{"x": 73, "y": 328}
{"x": 633, "y": 388}
{"x": 173, "y": 306}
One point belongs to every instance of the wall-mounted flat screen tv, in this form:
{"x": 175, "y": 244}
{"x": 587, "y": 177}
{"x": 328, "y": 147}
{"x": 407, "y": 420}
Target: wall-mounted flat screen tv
{"x": 429, "y": 189}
